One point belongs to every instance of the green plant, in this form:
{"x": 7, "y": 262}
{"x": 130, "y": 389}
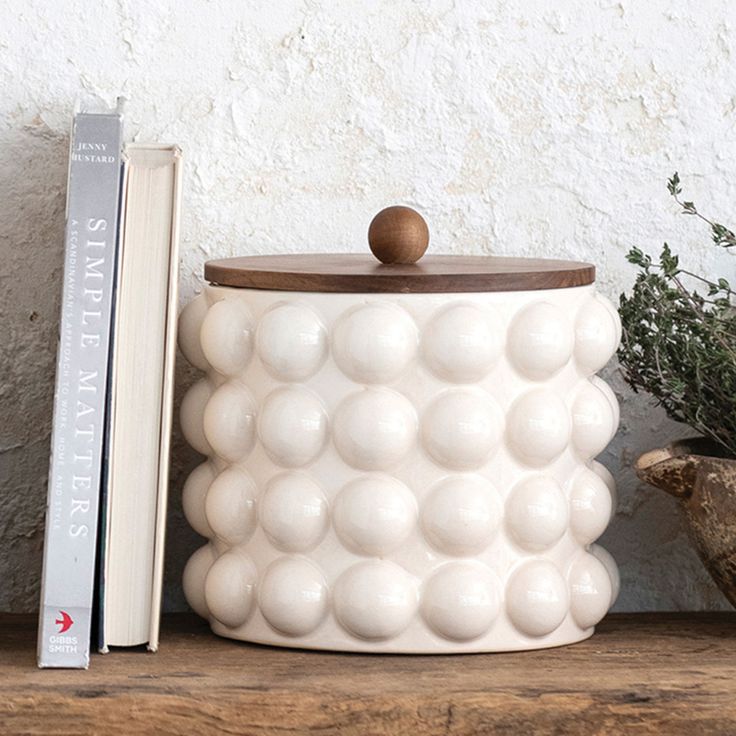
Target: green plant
{"x": 679, "y": 336}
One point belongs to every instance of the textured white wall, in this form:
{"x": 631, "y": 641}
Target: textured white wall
{"x": 525, "y": 128}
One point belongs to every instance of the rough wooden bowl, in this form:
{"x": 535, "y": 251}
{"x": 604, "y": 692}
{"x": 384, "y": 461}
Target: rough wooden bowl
{"x": 703, "y": 479}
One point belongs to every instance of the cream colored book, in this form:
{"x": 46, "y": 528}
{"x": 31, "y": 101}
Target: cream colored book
{"x": 141, "y": 391}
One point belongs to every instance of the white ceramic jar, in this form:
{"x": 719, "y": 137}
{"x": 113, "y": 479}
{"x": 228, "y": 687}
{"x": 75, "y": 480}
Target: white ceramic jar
{"x": 400, "y": 472}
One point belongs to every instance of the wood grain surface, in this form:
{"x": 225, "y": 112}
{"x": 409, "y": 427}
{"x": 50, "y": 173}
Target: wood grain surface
{"x": 398, "y": 235}
{"x": 363, "y": 274}
{"x": 640, "y": 674}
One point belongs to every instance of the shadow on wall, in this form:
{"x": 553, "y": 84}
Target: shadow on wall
{"x": 33, "y": 161}
{"x": 33, "y": 171}
{"x": 660, "y": 570}
{"x": 181, "y": 539}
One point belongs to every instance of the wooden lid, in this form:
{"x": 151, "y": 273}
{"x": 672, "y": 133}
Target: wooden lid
{"x": 362, "y": 274}
{"x": 399, "y": 237}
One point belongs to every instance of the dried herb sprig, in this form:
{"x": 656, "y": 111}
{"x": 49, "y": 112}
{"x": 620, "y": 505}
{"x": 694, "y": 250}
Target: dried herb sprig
{"x": 679, "y": 336}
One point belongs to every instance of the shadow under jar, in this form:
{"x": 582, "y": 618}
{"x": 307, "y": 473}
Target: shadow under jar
{"x": 400, "y": 455}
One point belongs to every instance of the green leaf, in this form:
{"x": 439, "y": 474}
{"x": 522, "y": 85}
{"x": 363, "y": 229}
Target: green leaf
{"x": 679, "y": 337}
{"x": 673, "y": 184}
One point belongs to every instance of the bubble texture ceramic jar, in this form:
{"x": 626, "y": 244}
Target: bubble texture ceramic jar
{"x": 400, "y": 472}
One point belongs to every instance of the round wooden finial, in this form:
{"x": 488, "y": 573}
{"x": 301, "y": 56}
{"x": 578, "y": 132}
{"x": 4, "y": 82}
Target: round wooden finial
{"x": 398, "y": 235}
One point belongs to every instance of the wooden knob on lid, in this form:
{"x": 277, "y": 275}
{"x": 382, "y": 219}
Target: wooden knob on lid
{"x": 398, "y": 235}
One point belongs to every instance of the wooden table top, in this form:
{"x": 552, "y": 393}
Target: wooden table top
{"x": 640, "y": 674}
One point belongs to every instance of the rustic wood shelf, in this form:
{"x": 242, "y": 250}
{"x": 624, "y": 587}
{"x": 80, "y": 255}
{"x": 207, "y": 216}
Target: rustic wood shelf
{"x": 640, "y": 674}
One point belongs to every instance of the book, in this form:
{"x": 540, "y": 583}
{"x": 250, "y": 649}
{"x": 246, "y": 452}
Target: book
{"x": 140, "y": 403}
{"x": 75, "y": 464}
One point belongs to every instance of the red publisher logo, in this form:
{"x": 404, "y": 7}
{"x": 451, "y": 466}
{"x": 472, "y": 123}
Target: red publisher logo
{"x": 64, "y": 622}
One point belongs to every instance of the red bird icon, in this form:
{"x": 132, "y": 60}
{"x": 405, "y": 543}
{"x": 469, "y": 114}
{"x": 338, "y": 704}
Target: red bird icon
{"x": 64, "y": 622}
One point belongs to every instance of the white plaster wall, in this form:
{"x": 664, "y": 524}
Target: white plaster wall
{"x": 525, "y": 128}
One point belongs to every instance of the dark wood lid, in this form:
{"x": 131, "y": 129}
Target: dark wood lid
{"x": 398, "y": 237}
{"x": 350, "y": 273}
